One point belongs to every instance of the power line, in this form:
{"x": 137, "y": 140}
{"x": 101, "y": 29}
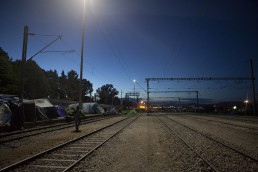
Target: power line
{"x": 116, "y": 51}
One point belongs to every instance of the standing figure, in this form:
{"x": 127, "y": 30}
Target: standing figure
{"x": 77, "y": 118}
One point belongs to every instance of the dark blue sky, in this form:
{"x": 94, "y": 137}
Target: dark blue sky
{"x": 138, "y": 39}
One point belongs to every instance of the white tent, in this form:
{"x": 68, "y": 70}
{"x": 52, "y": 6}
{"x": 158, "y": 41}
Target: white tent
{"x": 42, "y": 103}
{"x": 88, "y": 108}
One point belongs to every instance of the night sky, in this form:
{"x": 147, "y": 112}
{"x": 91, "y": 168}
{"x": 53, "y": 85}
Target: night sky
{"x": 138, "y": 39}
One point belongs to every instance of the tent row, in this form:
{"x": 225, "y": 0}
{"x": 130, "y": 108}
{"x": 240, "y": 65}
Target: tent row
{"x": 14, "y": 114}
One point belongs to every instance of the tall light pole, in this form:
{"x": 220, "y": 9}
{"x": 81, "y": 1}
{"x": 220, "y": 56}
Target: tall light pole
{"x": 253, "y": 87}
{"x": 82, "y": 51}
{"x": 134, "y": 92}
{"x": 246, "y": 102}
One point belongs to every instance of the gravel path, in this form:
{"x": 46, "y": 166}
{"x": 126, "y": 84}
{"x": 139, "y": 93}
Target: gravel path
{"x": 18, "y": 150}
{"x": 223, "y": 158}
{"x": 253, "y": 123}
{"x": 233, "y": 136}
{"x": 146, "y": 145}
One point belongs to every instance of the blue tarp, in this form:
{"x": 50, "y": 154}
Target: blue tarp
{"x": 60, "y": 111}
{"x": 5, "y": 113}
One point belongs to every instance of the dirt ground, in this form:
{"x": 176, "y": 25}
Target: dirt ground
{"x": 146, "y": 145}
{"x": 18, "y": 150}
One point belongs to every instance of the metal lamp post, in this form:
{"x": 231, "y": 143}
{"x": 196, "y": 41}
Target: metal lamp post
{"x": 82, "y": 55}
{"x": 134, "y": 92}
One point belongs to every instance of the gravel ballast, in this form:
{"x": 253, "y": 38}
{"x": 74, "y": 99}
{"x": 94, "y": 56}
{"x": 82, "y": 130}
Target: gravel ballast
{"x": 231, "y": 135}
{"x": 18, "y": 150}
{"x": 146, "y": 145}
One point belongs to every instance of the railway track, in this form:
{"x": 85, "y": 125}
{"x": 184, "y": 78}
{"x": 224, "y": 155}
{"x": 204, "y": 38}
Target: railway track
{"x": 248, "y": 119}
{"x": 7, "y": 137}
{"x": 254, "y": 130}
{"x": 188, "y": 145}
{"x": 67, "y": 155}
{"x": 219, "y": 156}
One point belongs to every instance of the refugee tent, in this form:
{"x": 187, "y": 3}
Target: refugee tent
{"x": 5, "y": 113}
{"x": 42, "y": 103}
{"x": 60, "y": 111}
{"x": 88, "y": 108}
{"x": 112, "y": 110}
{"x": 108, "y": 109}
{"x": 29, "y": 111}
{"x": 45, "y": 108}
{"x": 13, "y": 113}
{"x": 10, "y": 111}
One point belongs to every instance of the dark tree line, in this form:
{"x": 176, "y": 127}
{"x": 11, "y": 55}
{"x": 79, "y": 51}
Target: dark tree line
{"x": 108, "y": 95}
{"x": 47, "y": 84}
{"x": 8, "y": 78}
{"x": 38, "y": 82}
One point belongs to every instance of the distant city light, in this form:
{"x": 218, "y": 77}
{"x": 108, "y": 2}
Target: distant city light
{"x": 142, "y": 107}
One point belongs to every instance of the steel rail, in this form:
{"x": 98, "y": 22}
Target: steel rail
{"x": 83, "y": 157}
{"x": 217, "y": 141}
{"x": 226, "y": 123}
{"x": 248, "y": 119}
{"x": 54, "y": 128}
{"x": 199, "y": 155}
{"x": 40, "y": 127}
{"x": 34, "y": 157}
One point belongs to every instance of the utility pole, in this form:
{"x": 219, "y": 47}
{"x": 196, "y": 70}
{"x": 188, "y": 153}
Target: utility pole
{"x": 121, "y": 97}
{"x": 148, "y": 97}
{"x": 253, "y": 87}
{"x": 197, "y": 100}
{"x": 24, "y": 62}
{"x": 24, "y": 55}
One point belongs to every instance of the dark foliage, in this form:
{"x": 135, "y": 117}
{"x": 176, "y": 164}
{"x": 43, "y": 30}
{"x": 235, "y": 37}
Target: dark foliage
{"x": 8, "y": 79}
{"x": 107, "y": 94}
{"x": 40, "y": 83}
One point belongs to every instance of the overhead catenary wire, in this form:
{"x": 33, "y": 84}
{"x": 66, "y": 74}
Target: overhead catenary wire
{"x": 15, "y": 25}
{"x": 67, "y": 57}
{"x": 116, "y": 51}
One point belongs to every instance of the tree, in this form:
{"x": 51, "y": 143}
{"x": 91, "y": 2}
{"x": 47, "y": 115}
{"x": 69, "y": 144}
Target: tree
{"x": 67, "y": 87}
{"x": 8, "y": 79}
{"x": 116, "y": 101}
{"x": 107, "y": 93}
{"x": 40, "y": 83}
{"x": 72, "y": 85}
{"x": 36, "y": 83}
{"x": 86, "y": 89}
{"x": 53, "y": 82}
{"x": 62, "y": 89}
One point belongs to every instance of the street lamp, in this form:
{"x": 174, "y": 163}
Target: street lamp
{"x": 134, "y": 92}
{"x": 246, "y": 102}
{"x": 82, "y": 51}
